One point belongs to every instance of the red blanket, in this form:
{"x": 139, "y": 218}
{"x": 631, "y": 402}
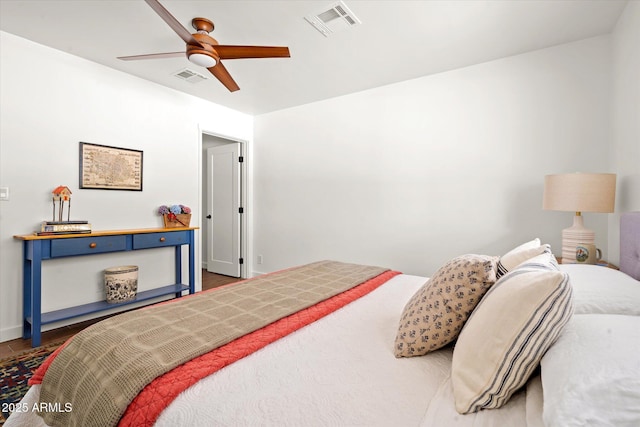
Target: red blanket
{"x": 157, "y": 395}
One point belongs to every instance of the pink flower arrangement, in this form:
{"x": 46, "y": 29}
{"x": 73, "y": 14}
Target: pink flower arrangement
{"x": 174, "y": 209}
{"x": 172, "y": 212}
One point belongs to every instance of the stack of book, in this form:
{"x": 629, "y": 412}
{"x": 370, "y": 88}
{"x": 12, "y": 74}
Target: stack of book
{"x": 64, "y": 227}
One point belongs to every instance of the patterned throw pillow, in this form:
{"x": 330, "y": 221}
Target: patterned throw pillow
{"x": 435, "y": 314}
{"x": 510, "y": 330}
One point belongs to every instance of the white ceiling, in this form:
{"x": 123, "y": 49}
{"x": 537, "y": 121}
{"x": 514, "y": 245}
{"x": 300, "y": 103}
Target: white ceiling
{"x": 397, "y": 40}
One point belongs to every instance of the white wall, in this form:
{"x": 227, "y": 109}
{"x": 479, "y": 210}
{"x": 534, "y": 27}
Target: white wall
{"x": 409, "y": 175}
{"x": 626, "y": 119}
{"x": 45, "y": 112}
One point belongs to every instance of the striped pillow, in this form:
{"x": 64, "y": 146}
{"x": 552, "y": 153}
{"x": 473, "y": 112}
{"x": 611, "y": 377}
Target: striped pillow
{"x": 518, "y": 255}
{"x": 510, "y": 330}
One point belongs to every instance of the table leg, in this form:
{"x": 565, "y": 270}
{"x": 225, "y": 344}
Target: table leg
{"x": 27, "y": 283}
{"x": 192, "y": 273}
{"x": 178, "y": 266}
{"x": 36, "y": 295}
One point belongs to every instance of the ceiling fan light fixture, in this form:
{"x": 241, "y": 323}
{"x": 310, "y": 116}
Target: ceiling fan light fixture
{"x": 203, "y": 60}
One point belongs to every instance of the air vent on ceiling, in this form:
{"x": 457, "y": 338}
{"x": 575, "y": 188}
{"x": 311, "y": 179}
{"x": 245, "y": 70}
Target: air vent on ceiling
{"x": 190, "y": 76}
{"x": 336, "y": 18}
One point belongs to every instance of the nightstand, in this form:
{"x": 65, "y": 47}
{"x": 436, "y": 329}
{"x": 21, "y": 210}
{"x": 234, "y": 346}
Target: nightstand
{"x": 601, "y": 263}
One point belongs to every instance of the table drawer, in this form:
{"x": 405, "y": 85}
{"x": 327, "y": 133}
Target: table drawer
{"x": 158, "y": 240}
{"x": 87, "y": 245}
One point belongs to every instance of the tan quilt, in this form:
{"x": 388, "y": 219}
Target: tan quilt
{"x": 105, "y": 366}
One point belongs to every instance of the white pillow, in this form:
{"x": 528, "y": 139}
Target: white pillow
{"x": 598, "y": 289}
{"x": 518, "y": 255}
{"x": 591, "y": 375}
{"x": 507, "y": 334}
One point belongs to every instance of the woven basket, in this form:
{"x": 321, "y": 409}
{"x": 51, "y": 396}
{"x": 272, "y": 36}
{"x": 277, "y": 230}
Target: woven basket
{"x": 181, "y": 220}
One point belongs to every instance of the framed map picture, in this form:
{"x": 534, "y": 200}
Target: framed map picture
{"x": 110, "y": 168}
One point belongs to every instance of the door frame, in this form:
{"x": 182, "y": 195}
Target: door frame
{"x": 245, "y": 249}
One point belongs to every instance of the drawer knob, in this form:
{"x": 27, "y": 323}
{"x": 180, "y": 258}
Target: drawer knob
{"x": 162, "y": 239}
{"x": 93, "y": 245}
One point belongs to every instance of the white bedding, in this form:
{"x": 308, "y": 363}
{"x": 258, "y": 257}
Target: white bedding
{"x": 591, "y": 376}
{"x": 339, "y": 371}
{"x": 601, "y": 290}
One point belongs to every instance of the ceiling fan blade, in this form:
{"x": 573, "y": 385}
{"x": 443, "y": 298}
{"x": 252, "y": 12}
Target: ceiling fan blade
{"x": 153, "y": 56}
{"x": 173, "y": 23}
{"x": 240, "y": 52}
{"x": 221, "y": 73}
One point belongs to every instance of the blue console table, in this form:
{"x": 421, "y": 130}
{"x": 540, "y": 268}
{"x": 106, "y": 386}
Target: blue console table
{"x": 38, "y": 248}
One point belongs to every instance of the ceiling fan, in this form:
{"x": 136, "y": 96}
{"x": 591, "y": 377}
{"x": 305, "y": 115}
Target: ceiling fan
{"x": 204, "y": 50}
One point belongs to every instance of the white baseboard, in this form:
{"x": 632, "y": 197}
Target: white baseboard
{"x": 8, "y": 334}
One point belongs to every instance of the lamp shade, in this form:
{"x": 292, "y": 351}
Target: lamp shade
{"x": 580, "y": 192}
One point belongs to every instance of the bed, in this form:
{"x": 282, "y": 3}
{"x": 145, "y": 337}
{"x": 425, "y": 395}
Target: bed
{"x": 353, "y": 365}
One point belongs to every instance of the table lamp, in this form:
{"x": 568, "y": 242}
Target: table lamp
{"x": 578, "y": 192}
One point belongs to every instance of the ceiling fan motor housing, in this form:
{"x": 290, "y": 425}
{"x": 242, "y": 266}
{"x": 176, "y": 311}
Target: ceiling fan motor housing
{"x": 206, "y": 49}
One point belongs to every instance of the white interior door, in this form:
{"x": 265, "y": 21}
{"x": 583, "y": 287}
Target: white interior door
{"x": 223, "y": 179}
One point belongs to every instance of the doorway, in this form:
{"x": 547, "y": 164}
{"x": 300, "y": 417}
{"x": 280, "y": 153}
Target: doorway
{"x": 223, "y": 190}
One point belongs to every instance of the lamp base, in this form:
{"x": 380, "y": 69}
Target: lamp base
{"x": 574, "y": 235}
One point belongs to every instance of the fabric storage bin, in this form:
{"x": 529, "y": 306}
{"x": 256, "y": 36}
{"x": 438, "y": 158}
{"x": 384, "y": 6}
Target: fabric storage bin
{"x": 121, "y": 283}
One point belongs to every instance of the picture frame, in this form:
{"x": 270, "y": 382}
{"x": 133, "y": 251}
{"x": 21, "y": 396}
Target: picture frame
{"x": 103, "y": 167}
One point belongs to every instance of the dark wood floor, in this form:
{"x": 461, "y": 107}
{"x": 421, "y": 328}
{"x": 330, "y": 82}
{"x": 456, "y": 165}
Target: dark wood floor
{"x": 211, "y": 280}
{"x": 17, "y": 346}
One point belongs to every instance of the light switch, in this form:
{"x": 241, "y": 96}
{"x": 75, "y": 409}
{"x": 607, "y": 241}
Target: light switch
{"x": 4, "y": 193}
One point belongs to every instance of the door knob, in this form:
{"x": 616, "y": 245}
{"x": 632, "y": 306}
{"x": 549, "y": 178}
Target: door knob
{"x": 208, "y": 216}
